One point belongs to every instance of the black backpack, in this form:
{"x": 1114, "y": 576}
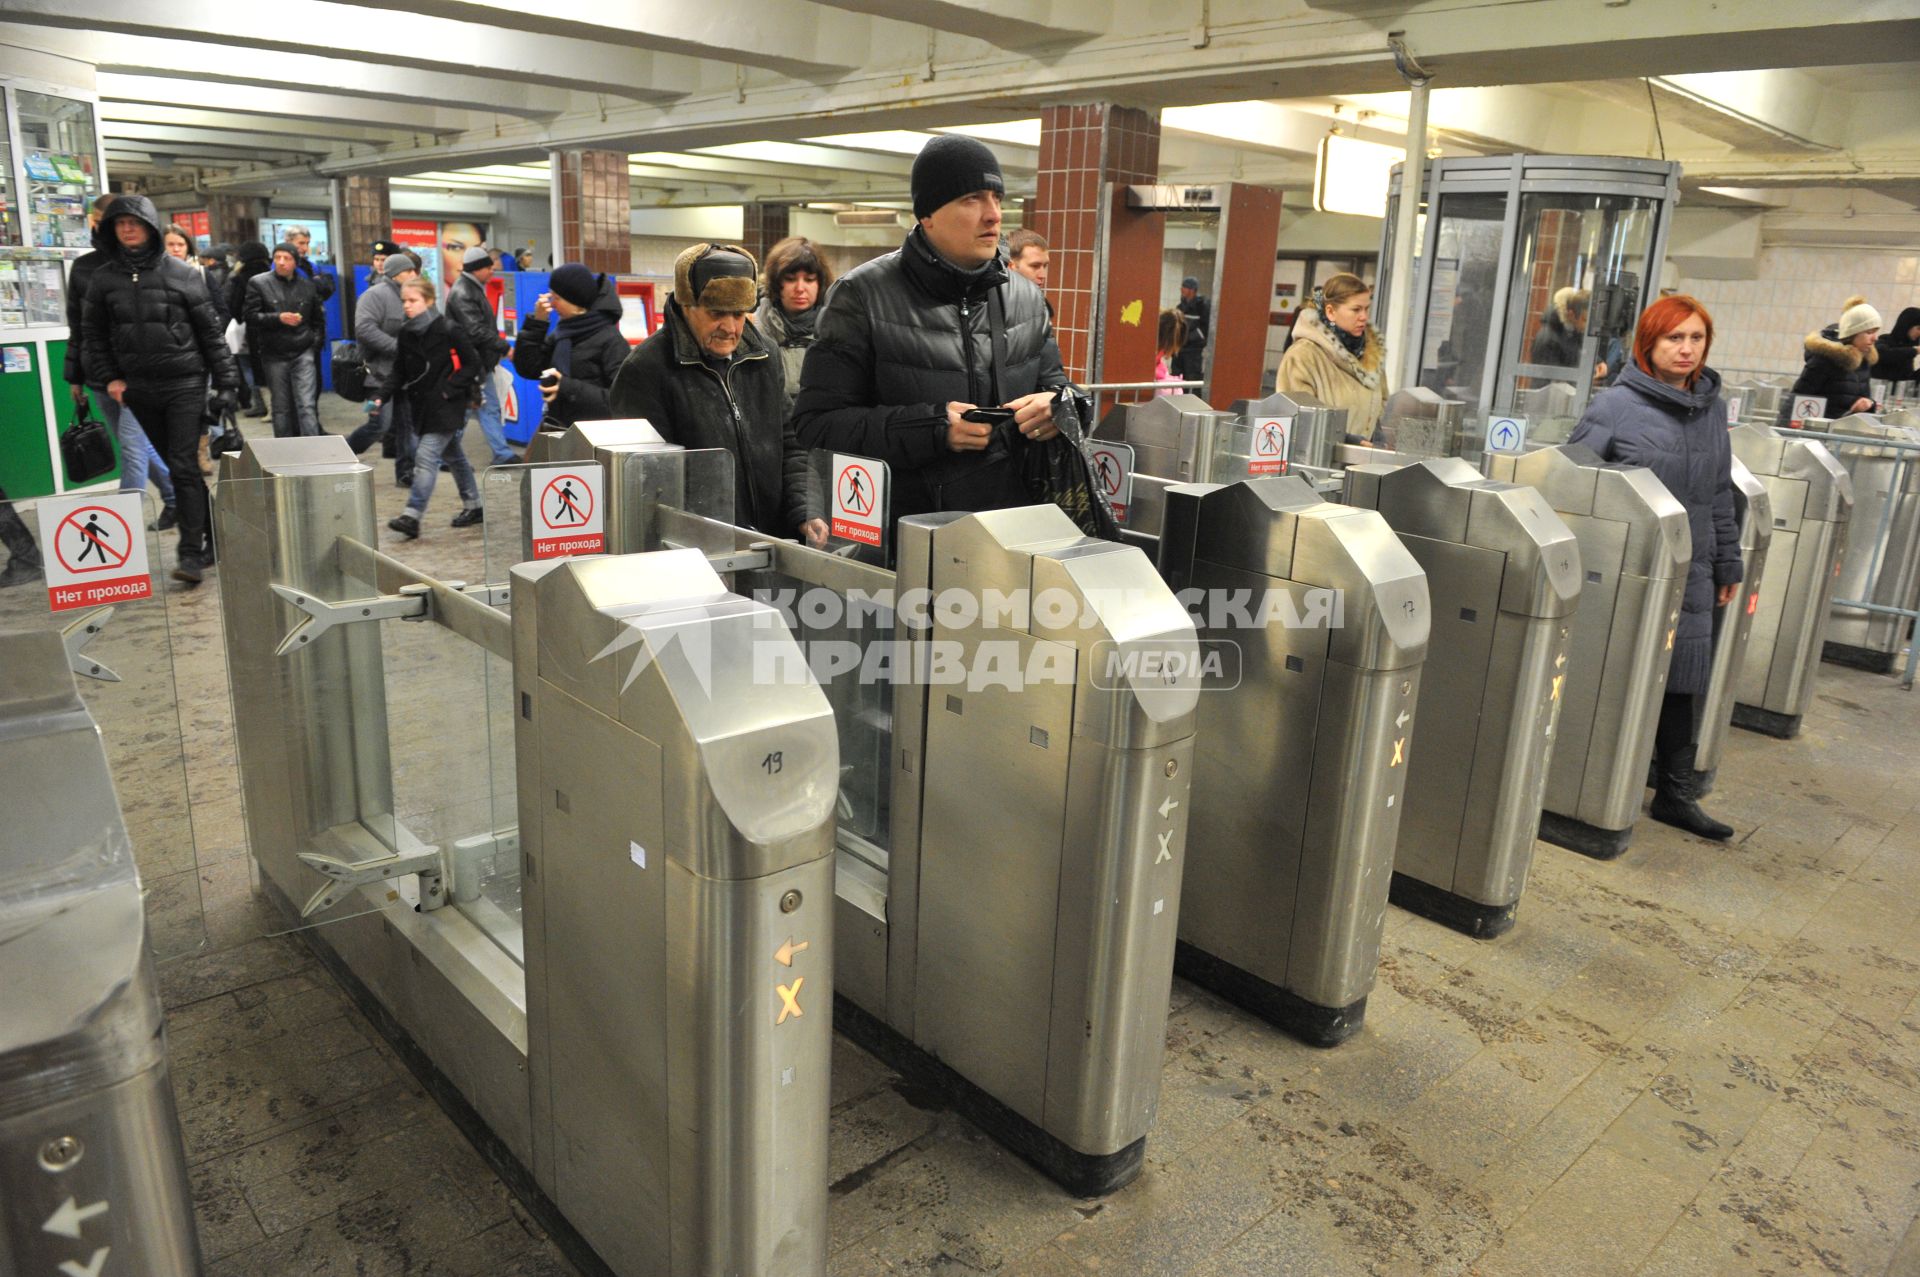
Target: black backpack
{"x": 349, "y": 371}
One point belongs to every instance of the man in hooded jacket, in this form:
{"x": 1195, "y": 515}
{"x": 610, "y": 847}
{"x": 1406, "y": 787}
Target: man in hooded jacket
{"x": 584, "y": 350}
{"x": 150, "y": 339}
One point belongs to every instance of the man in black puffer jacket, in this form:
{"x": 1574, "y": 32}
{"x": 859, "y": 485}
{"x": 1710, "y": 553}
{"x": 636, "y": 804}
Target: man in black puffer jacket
{"x": 910, "y": 342}
{"x": 709, "y": 379}
{"x": 585, "y": 349}
{"x": 150, "y": 340}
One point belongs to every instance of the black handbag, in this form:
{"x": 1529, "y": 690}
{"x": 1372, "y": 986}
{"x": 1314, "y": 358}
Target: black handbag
{"x": 87, "y": 449}
{"x": 349, "y": 371}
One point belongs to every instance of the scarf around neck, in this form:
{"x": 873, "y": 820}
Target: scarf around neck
{"x": 573, "y": 329}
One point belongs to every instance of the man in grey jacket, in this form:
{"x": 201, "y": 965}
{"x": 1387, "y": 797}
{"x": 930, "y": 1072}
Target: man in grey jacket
{"x": 377, "y": 317}
{"x": 469, "y": 310}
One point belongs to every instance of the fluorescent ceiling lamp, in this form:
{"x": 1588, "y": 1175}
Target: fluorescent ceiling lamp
{"x": 890, "y": 141}
{"x": 1350, "y": 176}
{"x": 1012, "y": 132}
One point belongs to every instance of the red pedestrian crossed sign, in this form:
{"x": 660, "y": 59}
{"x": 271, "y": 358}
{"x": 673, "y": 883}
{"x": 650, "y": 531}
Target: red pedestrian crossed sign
{"x": 91, "y": 539}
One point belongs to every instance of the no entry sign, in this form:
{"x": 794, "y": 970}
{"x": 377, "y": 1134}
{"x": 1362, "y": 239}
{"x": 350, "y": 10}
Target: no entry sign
{"x": 1269, "y": 445}
{"x": 569, "y": 510}
{"x": 95, "y": 550}
{"x": 1112, "y": 466}
{"x": 859, "y": 490}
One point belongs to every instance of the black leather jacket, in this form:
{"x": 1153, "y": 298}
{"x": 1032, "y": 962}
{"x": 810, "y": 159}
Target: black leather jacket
{"x": 469, "y": 311}
{"x": 267, "y": 297}
{"x": 901, "y": 337}
{"x": 147, "y": 319}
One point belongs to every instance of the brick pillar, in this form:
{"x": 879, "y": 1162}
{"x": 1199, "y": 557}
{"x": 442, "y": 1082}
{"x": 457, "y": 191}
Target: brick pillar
{"x": 596, "y": 207}
{"x": 234, "y": 219}
{"x": 1242, "y": 293}
{"x": 762, "y": 226}
{"x": 369, "y": 217}
{"x": 1105, "y": 312}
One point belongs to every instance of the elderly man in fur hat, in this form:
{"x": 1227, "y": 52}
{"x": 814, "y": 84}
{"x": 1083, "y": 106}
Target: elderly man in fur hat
{"x": 709, "y": 379}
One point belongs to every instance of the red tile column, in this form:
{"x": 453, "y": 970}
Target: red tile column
{"x": 1104, "y": 311}
{"x": 596, "y": 211}
{"x": 369, "y": 217}
{"x": 762, "y": 226}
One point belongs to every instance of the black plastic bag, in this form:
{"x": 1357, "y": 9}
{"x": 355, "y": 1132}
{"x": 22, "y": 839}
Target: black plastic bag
{"x": 1057, "y": 469}
{"x": 87, "y": 449}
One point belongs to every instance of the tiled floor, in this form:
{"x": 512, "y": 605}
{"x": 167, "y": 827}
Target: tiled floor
{"x": 1697, "y": 1059}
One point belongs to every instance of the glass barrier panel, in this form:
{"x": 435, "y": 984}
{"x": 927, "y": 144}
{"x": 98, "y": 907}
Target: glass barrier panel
{"x": 120, "y": 633}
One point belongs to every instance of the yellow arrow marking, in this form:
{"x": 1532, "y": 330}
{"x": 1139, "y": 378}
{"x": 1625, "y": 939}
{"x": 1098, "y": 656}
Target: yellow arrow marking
{"x": 784, "y": 954}
{"x": 1399, "y": 751}
{"x": 790, "y": 1000}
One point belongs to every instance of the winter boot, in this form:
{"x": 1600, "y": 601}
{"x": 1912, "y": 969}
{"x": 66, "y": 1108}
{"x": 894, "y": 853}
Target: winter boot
{"x": 1676, "y": 801}
{"x": 406, "y": 525}
{"x": 206, "y": 462}
{"x": 169, "y": 518}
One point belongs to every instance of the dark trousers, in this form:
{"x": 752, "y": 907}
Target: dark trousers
{"x": 394, "y": 420}
{"x": 14, "y": 535}
{"x": 172, "y": 419}
{"x": 1677, "y": 730}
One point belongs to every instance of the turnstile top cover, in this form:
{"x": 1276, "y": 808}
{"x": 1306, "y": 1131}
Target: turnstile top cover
{"x": 1446, "y": 499}
{"x": 80, "y": 1010}
{"x": 654, "y": 639}
{"x": 1792, "y": 455}
{"x": 1759, "y": 503}
{"x": 581, "y": 440}
{"x": 1420, "y": 401}
{"x": 1120, "y": 607}
{"x": 1575, "y": 480}
{"x": 1280, "y": 527}
{"x": 296, "y": 455}
{"x": 1159, "y": 420}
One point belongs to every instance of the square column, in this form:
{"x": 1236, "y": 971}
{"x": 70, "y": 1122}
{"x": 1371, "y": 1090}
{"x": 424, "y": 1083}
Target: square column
{"x": 234, "y": 219}
{"x": 1105, "y": 271}
{"x": 594, "y": 213}
{"x": 762, "y": 226}
{"x": 369, "y": 216}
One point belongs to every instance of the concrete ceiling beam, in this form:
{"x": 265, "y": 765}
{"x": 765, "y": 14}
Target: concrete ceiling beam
{"x": 114, "y": 114}
{"x": 127, "y": 91}
{"x": 1006, "y": 24}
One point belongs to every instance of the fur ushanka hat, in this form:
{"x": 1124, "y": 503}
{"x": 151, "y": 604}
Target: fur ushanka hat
{"x": 717, "y": 277}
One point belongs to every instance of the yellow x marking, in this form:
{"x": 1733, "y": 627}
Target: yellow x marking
{"x": 1557, "y": 680}
{"x": 1669, "y": 640}
{"x": 790, "y": 1000}
{"x": 1399, "y": 751}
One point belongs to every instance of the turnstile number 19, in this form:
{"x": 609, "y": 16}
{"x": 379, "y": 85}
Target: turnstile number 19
{"x": 772, "y": 763}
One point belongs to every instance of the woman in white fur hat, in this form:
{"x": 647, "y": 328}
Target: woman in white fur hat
{"x": 1840, "y": 359}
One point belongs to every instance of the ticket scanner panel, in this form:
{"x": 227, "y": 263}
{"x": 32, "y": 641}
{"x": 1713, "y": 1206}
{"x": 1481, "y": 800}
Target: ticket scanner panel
{"x": 1734, "y": 632}
{"x": 1503, "y": 574}
{"x": 1634, "y": 553}
{"x": 1812, "y": 500}
{"x": 1300, "y": 775}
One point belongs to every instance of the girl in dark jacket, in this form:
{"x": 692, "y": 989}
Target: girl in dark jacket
{"x": 585, "y": 349}
{"x": 437, "y": 370}
{"x": 1665, "y": 413}
{"x": 1839, "y": 367}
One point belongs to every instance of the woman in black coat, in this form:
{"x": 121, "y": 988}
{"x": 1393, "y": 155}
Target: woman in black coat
{"x": 1898, "y": 348}
{"x": 586, "y": 348}
{"x": 437, "y": 371}
{"x": 1839, "y": 367}
{"x": 1665, "y": 413}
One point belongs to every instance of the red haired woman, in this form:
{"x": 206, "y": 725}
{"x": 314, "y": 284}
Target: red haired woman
{"x": 1665, "y": 413}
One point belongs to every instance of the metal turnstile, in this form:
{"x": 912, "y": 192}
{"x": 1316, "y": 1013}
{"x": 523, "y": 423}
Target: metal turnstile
{"x": 93, "y": 1173}
{"x": 1812, "y": 500}
{"x": 1734, "y": 629}
{"x": 1420, "y": 423}
{"x": 647, "y": 1038}
{"x": 676, "y": 818}
{"x": 1173, "y": 436}
{"x": 1300, "y": 754}
{"x": 1882, "y": 562}
{"x": 1312, "y": 431}
{"x": 1503, "y": 573}
{"x": 1634, "y": 554}
{"x": 1014, "y": 942}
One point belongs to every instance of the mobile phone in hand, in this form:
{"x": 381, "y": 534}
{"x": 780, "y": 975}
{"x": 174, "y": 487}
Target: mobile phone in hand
{"x": 988, "y": 416}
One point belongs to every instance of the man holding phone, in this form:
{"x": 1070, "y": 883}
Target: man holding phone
{"x": 936, "y": 358}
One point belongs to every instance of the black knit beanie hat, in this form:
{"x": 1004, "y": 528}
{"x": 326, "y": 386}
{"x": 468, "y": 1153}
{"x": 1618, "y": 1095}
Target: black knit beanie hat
{"x": 577, "y": 284}
{"x": 951, "y": 166}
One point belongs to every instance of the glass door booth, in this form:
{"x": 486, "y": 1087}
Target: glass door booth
{"x": 523, "y": 408}
{"x": 1532, "y": 271}
{"x": 51, "y": 168}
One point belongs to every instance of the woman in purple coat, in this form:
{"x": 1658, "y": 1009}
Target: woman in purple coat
{"x": 1665, "y": 413}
